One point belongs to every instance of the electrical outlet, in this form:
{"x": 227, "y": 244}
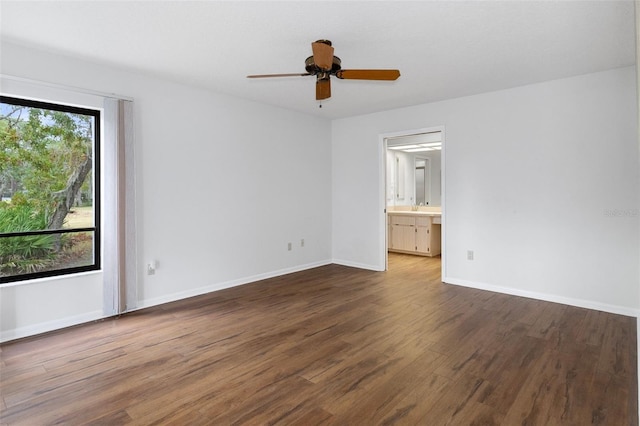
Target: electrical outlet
{"x": 469, "y": 254}
{"x": 302, "y": 242}
{"x": 151, "y": 268}
{"x": 289, "y": 246}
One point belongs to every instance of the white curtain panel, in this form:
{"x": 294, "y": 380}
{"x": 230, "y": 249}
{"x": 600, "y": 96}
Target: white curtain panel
{"x": 119, "y": 228}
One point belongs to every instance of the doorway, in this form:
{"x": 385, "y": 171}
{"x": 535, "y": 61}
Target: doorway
{"x": 412, "y": 185}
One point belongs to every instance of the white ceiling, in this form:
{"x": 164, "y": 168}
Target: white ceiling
{"x": 443, "y": 49}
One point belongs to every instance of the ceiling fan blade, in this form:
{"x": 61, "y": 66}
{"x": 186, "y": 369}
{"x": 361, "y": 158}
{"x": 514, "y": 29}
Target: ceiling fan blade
{"x": 323, "y": 89}
{"x": 322, "y": 55}
{"x": 368, "y": 74}
{"x": 278, "y": 75}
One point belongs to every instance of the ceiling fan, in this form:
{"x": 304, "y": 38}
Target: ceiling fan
{"x": 323, "y": 65}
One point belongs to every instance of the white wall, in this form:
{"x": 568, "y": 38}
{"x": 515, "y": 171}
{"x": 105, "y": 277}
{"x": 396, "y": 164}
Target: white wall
{"x": 400, "y": 178}
{"x": 532, "y": 177}
{"x": 530, "y": 174}
{"x": 223, "y": 185}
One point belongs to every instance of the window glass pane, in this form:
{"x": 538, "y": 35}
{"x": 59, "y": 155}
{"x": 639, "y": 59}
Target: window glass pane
{"x": 44, "y": 253}
{"x": 79, "y": 217}
{"x": 48, "y": 182}
{"x": 46, "y": 161}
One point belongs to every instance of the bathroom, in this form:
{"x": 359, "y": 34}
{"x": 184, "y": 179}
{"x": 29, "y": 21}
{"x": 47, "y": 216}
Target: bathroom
{"x": 413, "y": 194}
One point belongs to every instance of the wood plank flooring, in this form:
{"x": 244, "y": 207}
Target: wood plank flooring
{"x": 332, "y": 346}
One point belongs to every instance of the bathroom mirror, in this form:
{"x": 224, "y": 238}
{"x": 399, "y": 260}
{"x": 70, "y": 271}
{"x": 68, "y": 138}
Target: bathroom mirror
{"x": 413, "y": 170}
{"x": 422, "y": 182}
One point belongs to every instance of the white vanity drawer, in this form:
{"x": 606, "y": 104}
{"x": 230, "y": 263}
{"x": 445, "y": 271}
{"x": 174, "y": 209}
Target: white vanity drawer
{"x": 423, "y": 221}
{"x": 402, "y": 220}
{"x": 437, "y": 220}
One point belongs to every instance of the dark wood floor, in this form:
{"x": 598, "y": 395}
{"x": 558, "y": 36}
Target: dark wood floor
{"x": 333, "y": 345}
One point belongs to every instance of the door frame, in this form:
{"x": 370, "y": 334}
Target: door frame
{"x": 382, "y": 191}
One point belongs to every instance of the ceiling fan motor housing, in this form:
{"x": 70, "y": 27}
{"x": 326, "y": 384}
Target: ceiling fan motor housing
{"x": 313, "y": 69}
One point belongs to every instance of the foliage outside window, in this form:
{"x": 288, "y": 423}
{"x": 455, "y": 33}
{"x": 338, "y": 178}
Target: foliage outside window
{"x": 49, "y": 189}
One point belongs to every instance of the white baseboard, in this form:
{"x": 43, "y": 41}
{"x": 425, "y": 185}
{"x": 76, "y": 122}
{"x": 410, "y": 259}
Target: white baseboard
{"x": 227, "y": 284}
{"x": 580, "y": 303}
{"x": 357, "y": 265}
{"x": 43, "y": 327}
{"x": 47, "y": 326}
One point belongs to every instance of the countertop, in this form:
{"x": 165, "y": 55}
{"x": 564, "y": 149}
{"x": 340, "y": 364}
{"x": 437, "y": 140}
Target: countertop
{"x": 413, "y": 213}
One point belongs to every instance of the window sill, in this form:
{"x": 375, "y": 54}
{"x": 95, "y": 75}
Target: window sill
{"x": 49, "y": 279}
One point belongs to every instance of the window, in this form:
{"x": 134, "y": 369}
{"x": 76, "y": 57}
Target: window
{"x": 49, "y": 189}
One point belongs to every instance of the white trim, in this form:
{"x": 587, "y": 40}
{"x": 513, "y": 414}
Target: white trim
{"x": 382, "y": 203}
{"x": 65, "y": 87}
{"x": 443, "y": 204}
{"x": 636, "y": 5}
{"x": 580, "y": 303}
{"x": 226, "y": 284}
{"x": 358, "y": 265}
{"x": 382, "y": 185}
{"x": 52, "y": 278}
{"x": 44, "y": 327}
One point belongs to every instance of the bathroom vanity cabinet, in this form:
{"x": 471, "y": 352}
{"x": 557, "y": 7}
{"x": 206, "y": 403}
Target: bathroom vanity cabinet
{"x": 414, "y": 233}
